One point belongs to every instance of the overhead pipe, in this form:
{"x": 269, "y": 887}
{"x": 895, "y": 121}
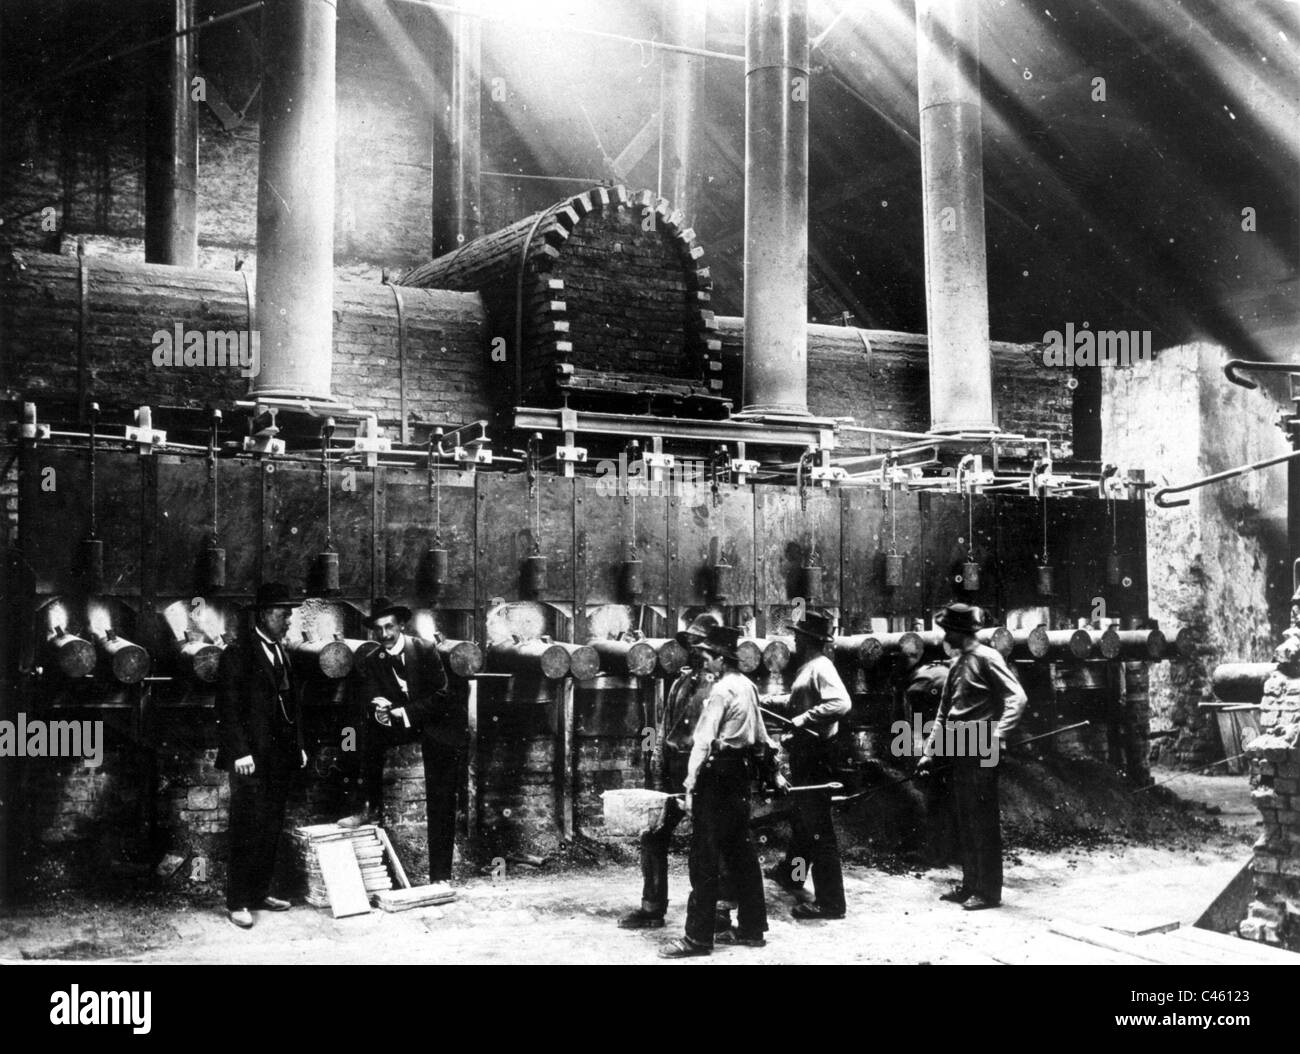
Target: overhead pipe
{"x": 776, "y": 207}
{"x": 952, "y": 188}
{"x": 679, "y": 88}
{"x": 171, "y": 232}
{"x": 295, "y": 201}
{"x": 457, "y": 155}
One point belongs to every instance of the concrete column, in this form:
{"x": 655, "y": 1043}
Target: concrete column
{"x": 952, "y": 178}
{"x": 295, "y": 200}
{"x": 777, "y": 85}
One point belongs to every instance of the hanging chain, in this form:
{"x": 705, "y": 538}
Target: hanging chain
{"x": 212, "y": 470}
{"x": 1044, "y": 528}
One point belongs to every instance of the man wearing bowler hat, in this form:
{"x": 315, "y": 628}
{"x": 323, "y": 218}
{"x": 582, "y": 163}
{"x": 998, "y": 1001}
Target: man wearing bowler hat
{"x": 259, "y": 725}
{"x": 718, "y": 777}
{"x": 819, "y": 699}
{"x": 673, "y": 742}
{"x": 982, "y": 702}
{"x": 405, "y": 700}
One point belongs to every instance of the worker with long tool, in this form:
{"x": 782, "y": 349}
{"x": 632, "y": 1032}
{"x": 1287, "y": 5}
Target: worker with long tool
{"x": 819, "y": 699}
{"x": 982, "y": 703}
{"x": 673, "y": 741}
{"x": 728, "y": 739}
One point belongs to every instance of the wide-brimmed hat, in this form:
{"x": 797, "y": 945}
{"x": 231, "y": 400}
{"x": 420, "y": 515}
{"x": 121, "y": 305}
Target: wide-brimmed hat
{"x": 959, "y": 618}
{"x": 819, "y": 627}
{"x": 722, "y": 640}
{"x": 697, "y": 630}
{"x": 383, "y": 606}
{"x": 273, "y": 595}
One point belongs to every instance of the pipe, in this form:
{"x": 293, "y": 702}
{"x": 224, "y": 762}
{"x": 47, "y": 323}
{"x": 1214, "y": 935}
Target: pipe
{"x": 329, "y": 658}
{"x": 776, "y": 207}
{"x": 295, "y": 200}
{"x": 871, "y": 648}
{"x": 626, "y": 658}
{"x": 464, "y": 658}
{"x": 1069, "y": 644}
{"x": 457, "y": 155}
{"x": 952, "y": 188}
{"x": 672, "y": 656}
{"x": 74, "y": 656}
{"x": 127, "y": 663}
{"x": 584, "y": 660}
{"x": 532, "y": 658}
{"x": 1030, "y": 643}
{"x": 171, "y": 233}
{"x": 1143, "y": 644}
{"x": 199, "y": 660}
{"x": 749, "y": 655}
{"x": 1241, "y": 682}
{"x": 679, "y": 86}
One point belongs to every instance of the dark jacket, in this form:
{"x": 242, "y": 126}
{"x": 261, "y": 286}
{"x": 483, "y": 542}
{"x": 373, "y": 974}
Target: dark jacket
{"x": 428, "y": 704}
{"x": 249, "y": 716}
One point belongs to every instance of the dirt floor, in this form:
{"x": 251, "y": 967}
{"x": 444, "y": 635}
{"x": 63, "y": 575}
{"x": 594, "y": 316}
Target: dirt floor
{"x": 566, "y": 912}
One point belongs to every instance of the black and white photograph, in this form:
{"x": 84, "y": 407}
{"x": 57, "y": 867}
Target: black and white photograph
{"x": 621, "y": 482}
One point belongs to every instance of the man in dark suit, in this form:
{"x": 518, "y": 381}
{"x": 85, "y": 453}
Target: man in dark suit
{"x": 259, "y": 723}
{"x": 405, "y": 700}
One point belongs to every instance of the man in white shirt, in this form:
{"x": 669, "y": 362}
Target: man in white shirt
{"x": 718, "y": 778}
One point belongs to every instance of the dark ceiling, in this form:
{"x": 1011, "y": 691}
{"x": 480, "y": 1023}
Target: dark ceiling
{"x": 1126, "y": 213}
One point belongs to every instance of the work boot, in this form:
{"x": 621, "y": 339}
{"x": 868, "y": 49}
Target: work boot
{"x": 641, "y": 919}
{"x": 979, "y": 902}
{"x": 682, "y": 948}
{"x": 807, "y": 912}
{"x": 365, "y": 815}
{"x": 733, "y": 937}
{"x": 958, "y": 895}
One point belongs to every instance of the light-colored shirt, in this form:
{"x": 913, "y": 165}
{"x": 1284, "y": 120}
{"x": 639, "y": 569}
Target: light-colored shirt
{"x": 980, "y": 687}
{"x": 820, "y": 697}
{"x": 398, "y": 669}
{"x": 730, "y": 716}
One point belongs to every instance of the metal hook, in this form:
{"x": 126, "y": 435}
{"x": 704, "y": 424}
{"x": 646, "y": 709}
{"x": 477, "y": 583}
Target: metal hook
{"x": 1232, "y": 366}
{"x": 1161, "y": 496}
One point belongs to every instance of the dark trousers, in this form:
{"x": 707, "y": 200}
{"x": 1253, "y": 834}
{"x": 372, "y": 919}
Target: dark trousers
{"x": 721, "y": 838}
{"x": 812, "y": 830}
{"x": 442, "y": 763}
{"x": 979, "y": 825}
{"x": 655, "y": 844}
{"x": 256, "y": 818}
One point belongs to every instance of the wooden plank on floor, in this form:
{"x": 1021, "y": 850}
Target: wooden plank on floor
{"x": 347, "y": 892}
{"x": 1147, "y": 948}
{"x": 1241, "y": 950}
{"x": 1050, "y": 949}
{"x": 1141, "y": 925}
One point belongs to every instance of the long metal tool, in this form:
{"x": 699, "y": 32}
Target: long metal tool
{"x": 919, "y": 775}
{"x": 786, "y": 721}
